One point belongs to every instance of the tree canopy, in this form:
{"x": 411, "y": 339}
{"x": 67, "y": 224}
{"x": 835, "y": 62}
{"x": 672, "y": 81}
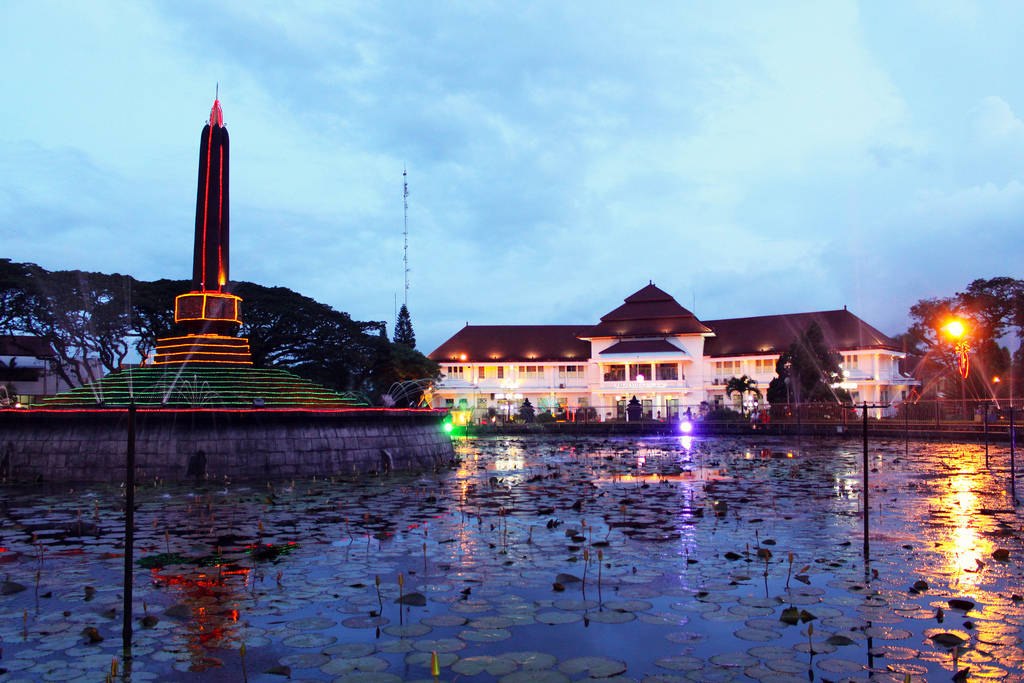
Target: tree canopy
{"x": 96, "y": 316}
{"x": 742, "y": 385}
{"x": 808, "y": 371}
{"x": 403, "y": 329}
{"x": 992, "y": 310}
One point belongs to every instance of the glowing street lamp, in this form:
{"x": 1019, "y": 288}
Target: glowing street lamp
{"x": 957, "y": 330}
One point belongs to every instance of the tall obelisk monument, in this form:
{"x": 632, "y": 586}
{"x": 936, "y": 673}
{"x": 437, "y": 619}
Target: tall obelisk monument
{"x": 209, "y": 312}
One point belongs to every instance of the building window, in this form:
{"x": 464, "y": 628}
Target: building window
{"x": 481, "y": 372}
{"x": 849, "y": 362}
{"x": 765, "y": 366}
{"x": 668, "y": 371}
{"x": 449, "y": 403}
{"x": 571, "y": 371}
{"x": 727, "y": 368}
{"x": 455, "y": 372}
{"x": 583, "y": 401}
{"x": 531, "y": 371}
{"x": 481, "y": 403}
{"x": 501, "y": 372}
{"x": 639, "y": 369}
{"x": 615, "y": 373}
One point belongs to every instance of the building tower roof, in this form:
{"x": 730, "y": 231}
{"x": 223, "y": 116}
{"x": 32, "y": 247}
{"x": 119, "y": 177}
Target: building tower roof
{"x": 650, "y": 312}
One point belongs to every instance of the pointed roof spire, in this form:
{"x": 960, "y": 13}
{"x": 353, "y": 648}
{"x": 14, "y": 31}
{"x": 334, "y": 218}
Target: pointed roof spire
{"x": 216, "y": 114}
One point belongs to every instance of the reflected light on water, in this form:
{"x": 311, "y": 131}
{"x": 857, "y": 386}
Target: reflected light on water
{"x": 967, "y": 545}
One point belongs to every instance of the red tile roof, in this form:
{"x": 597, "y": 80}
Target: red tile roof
{"x": 773, "y": 333}
{"x": 648, "y": 312}
{"x": 25, "y": 345}
{"x": 504, "y": 343}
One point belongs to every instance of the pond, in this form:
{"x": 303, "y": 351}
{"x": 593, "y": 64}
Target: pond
{"x": 657, "y": 559}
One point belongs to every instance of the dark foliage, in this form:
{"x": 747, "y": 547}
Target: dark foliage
{"x": 807, "y": 371}
{"x": 403, "y": 329}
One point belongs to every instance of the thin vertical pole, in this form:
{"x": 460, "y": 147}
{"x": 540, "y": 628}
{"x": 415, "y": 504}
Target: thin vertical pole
{"x": 129, "y": 532}
{"x": 906, "y": 422}
{"x": 867, "y": 507}
{"x": 1013, "y": 459}
{"x": 984, "y": 419}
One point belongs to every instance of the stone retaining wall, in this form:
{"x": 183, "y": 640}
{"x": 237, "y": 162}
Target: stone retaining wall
{"x": 91, "y": 446}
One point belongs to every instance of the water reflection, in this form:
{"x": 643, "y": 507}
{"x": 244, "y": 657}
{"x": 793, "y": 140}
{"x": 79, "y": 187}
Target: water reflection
{"x": 661, "y": 549}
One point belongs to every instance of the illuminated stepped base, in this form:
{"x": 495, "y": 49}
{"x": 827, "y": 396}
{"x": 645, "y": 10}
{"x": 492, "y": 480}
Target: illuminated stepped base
{"x": 202, "y": 385}
{"x": 202, "y": 348}
{"x": 211, "y": 420}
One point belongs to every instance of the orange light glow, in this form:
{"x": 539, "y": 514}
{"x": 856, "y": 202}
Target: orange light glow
{"x": 955, "y": 328}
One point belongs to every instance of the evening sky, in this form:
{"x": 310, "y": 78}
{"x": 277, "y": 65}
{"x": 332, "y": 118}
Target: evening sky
{"x": 750, "y": 158}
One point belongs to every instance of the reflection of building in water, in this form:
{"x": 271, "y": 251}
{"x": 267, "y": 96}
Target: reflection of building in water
{"x": 655, "y": 350}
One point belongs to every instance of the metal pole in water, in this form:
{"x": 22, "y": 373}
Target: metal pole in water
{"x": 129, "y": 532}
{"x": 985, "y": 420}
{"x": 867, "y": 507}
{"x": 1013, "y": 459}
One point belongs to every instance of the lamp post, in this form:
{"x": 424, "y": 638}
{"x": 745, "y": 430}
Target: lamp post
{"x": 957, "y": 330}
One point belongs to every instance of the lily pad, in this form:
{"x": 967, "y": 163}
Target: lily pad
{"x": 408, "y": 630}
{"x": 493, "y": 666}
{"x": 441, "y": 645}
{"x": 301, "y": 640}
{"x": 680, "y": 663}
{"x": 485, "y": 635}
{"x": 609, "y": 617}
{"x": 596, "y": 667}
{"x": 350, "y": 650}
{"x": 412, "y": 599}
{"x": 535, "y": 676}
{"x": 532, "y": 661}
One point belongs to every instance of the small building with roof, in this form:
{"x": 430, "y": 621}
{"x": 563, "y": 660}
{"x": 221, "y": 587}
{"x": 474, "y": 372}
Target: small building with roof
{"x": 652, "y": 348}
{"x": 25, "y": 373}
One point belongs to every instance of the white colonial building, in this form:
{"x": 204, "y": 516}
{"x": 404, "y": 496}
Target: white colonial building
{"x": 653, "y": 349}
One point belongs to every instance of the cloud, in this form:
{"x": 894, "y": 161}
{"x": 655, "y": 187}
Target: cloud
{"x": 765, "y": 158}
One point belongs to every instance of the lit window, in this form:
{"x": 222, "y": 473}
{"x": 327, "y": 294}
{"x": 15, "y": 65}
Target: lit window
{"x": 638, "y": 369}
{"x": 571, "y": 371}
{"x": 668, "y": 371}
{"x": 615, "y": 373}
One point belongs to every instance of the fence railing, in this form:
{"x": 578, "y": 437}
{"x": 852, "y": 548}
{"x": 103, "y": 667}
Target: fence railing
{"x": 919, "y": 414}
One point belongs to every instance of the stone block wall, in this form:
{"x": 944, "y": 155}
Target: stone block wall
{"x": 91, "y": 445}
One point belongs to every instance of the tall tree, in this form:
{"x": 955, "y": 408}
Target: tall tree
{"x": 742, "y": 385}
{"x": 83, "y": 316}
{"x": 808, "y": 371}
{"x": 13, "y": 291}
{"x": 403, "y": 329}
{"x": 991, "y": 310}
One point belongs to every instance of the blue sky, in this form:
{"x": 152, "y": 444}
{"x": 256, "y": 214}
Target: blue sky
{"x": 750, "y": 158}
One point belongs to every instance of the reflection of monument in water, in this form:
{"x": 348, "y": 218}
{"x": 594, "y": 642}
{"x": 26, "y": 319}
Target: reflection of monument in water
{"x": 203, "y": 410}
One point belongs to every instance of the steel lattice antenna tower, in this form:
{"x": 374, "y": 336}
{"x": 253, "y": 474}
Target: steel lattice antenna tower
{"x": 405, "y": 219}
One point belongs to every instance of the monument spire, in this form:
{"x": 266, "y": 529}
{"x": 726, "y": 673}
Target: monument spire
{"x": 211, "y": 256}
{"x": 209, "y": 312}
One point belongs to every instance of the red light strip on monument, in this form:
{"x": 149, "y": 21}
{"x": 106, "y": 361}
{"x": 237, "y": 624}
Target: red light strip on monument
{"x": 220, "y": 222}
{"x": 206, "y": 336}
{"x": 206, "y": 198}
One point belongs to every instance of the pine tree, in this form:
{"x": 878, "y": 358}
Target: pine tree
{"x": 403, "y": 329}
